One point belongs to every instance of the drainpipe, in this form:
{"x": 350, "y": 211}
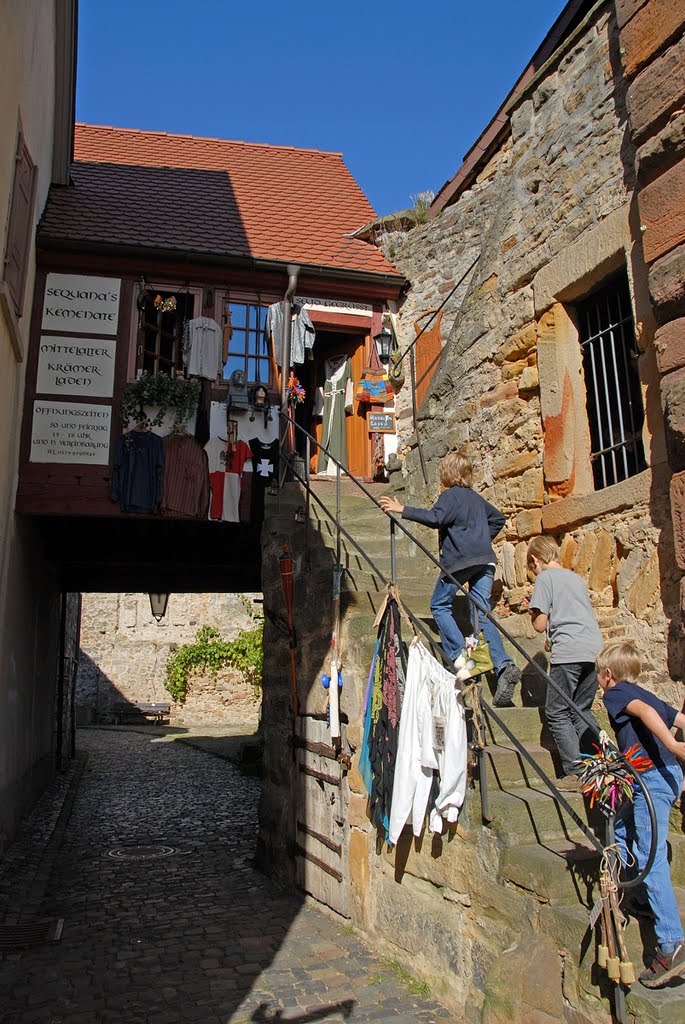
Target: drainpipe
{"x": 293, "y": 271}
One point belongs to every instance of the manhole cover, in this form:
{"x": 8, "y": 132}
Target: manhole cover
{"x": 140, "y": 852}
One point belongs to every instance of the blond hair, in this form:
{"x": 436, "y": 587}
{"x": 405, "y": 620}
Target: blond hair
{"x": 622, "y": 658}
{"x": 456, "y": 470}
{"x": 544, "y": 548}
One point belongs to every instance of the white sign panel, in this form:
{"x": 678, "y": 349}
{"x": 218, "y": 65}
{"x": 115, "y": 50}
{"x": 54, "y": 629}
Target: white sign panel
{"x": 76, "y": 366}
{"x": 71, "y": 433}
{"x": 335, "y": 306}
{"x": 87, "y": 305}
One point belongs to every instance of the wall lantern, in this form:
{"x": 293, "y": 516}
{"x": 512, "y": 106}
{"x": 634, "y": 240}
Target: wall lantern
{"x": 383, "y": 342}
{"x": 158, "y": 603}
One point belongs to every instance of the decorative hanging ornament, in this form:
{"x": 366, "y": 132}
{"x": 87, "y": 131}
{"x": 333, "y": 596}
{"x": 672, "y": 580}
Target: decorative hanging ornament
{"x": 605, "y": 777}
{"x": 294, "y": 390}
{"x": 167, "y": 305}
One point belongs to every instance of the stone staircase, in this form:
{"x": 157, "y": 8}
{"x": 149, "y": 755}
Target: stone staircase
{"x": 542, "y": 853}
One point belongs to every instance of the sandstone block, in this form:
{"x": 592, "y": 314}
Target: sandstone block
{"x": 669, "y": 342}
{"x": 521, "y": 563}
{"x": 667, "y": 285}
{"x": 358, "y": 864}
{"x": 673, "y": 396}
{"x": 515, "y": 463}
{"x": 625, "y": 9}
{"x": 662, "y": 213}
{"x": 524, "y": 984}
{"x": 657, "y": 90}
{"x": 568, "y": 551}
{"x": 648, "y": 30}
{"x": 508, "y": 564}
{"x": 510, "y": 371}
{"x": 529, "y": 523}
{"x": 357, "y": 815}
{"x": 530, "y": 379}
{"x": 525, "y": 491}
{"x": 678, "y": 517}
{"x": 663, "y": 149}
{"x": 601, "y": 566}
{"x": 499, "y": 394}
{"x": 644, "y": 588}
{"x": 586, "y": 551}
{"x": 518, "y": 346}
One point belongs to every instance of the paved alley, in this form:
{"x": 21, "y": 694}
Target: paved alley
{"x": 147, "y": 858}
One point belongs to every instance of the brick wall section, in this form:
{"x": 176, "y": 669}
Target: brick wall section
{"x": 648, "y": 31}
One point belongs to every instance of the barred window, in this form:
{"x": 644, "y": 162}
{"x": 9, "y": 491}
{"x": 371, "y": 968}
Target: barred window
{"x": 613, "y": 394}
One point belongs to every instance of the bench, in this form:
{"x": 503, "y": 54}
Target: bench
{"x": 125, "y": 712}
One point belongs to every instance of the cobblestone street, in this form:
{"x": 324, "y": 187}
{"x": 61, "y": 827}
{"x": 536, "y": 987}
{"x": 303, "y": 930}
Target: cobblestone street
{"x": 196, "y": 935}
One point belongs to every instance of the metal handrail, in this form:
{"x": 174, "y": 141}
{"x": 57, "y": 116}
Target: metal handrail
{"x": 559, "y": 797}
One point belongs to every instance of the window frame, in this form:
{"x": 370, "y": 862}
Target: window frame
{"x": 250, "y": 300}
{"x": 20, "y": 224}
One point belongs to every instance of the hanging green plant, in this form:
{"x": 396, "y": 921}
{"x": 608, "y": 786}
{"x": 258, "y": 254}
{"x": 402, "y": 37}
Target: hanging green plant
{"x": 162, "y": 392}
{"x": 209, "y": 652}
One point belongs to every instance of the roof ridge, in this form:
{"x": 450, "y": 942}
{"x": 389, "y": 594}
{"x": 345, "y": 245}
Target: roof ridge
{"x": 208, "y": 138}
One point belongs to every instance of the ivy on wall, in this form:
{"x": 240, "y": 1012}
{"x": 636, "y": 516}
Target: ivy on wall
{"x": 209, "y": 652}
{"x": 163, "y": 393}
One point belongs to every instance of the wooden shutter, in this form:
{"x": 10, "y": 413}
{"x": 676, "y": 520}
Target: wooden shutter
{"x": 20, "y": 225}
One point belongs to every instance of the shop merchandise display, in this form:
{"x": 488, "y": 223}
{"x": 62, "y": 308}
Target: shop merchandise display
{"x": 226, "y": 463}
{"x": 264, "y": 470}
{"x": 302, "y": 332}
{"x": 185, "y": 488}
{"x": 333, "y": 402}
{"x": 137, "y": 471}
{"x": 203, "y": 348}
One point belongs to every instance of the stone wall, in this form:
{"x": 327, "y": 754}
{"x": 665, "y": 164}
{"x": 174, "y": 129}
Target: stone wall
{"x": 549, "y": 217}
{"x": 124, "y": 653}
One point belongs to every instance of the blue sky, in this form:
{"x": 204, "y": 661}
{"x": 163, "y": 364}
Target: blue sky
{"x": 401, "y": 88}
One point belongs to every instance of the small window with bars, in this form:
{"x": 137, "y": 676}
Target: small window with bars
{"x": 612, "y": 382}
{"x": 247, "y": 348}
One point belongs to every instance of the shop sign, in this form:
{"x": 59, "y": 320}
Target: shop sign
{"x": 66, "y": 432}
{"x": 87, "y": 305}
{"x": 76, "y": 366}
{"x": 381, "y": 422}
{"x": 335, "y": 306}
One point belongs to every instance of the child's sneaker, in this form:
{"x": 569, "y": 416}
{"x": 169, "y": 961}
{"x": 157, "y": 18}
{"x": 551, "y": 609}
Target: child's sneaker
{"x": 664, "y": 967}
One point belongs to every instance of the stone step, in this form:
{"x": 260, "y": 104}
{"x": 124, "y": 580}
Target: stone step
{"x": 560, "y": 871}
{"x": 506, "y": 765}
{"x": 525, "y": 814}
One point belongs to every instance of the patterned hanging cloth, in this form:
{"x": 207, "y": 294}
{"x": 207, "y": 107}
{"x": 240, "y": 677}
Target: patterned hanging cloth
{"x": 382, "y": 708}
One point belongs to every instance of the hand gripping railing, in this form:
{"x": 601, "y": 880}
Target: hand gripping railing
{"x": 484, "y": 612}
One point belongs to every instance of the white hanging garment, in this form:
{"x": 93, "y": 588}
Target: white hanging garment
{"x": 203, "y": 348}
{"x": 432, "y": 736}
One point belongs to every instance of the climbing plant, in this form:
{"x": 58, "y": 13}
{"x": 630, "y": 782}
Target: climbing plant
{"x": 163, "y": 393}
{"x": 209, "y": 652}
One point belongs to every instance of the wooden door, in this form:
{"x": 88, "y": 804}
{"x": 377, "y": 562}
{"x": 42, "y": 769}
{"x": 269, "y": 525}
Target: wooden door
{"x": 322, "y": 826}
{"x": 328, "y": 344}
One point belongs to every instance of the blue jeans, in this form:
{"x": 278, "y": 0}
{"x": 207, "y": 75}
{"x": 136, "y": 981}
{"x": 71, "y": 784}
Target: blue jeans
{"x": 633, "y": 832}
{"x": 479, "y": 579}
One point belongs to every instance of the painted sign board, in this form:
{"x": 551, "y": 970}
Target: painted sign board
{"x": 86, "y": 305}
{"x": 76, "y": 366}
{"x": 335, "y": 306}
{"x": 70, "y": 432}
{"x": 381, "y": 422}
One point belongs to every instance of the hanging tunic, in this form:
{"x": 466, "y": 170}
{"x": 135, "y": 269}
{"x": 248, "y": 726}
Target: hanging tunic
{"x": 138, "y": 470}
{"x": 332, "y": 403}
{"x": 302, "y": 334}
{"x": 225, "y": 472}
{"x": 264, "y": 469}
{"x": 432, "y": 738}
{"x": 202, "y": 348}
{"x": 185, "y": 492}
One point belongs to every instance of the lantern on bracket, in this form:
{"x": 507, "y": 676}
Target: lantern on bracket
{"x": 158, "y": 603}
{"x": 383, "y": 342}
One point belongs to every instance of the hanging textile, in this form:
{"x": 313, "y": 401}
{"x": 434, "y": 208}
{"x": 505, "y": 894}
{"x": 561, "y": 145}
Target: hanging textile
{"x": 225, "y": 473}
{"x": 432, "y": 739}
{"x": 185, "y": 491}
{"x": 374, "y": 387}
{"x": 302, "y": 334}
{"x": 202, "y": 348}
{"x": 264, "y": 470}
{"x": 333, "y": 402}
{"x": 382, "y": 707}
{"x": 428, "y": 349}
{"x": 137, "y": 471}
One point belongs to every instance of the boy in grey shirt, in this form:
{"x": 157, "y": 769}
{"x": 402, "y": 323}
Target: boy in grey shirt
{"x": 560, "y": 606}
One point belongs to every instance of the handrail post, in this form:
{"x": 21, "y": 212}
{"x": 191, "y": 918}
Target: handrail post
{"x": 337, "y": 515}
{"x": 307, "y": 457}
{"x": 482, "y": 760}
{"x": 393, "y": 554}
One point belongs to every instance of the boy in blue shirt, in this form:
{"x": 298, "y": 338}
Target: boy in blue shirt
{"x": 640, "y": 718}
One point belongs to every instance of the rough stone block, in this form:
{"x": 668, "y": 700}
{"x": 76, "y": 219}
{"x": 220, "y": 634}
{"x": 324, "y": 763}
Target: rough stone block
{"x": 513, "y": 464}
{"x": 521, "y": 563}
{"x": 644, "y": 588}
{"x": 525, "y": 491}
{"x": 601, "y": 565}
{"x": 499, "y": 394}
{"x": 649, "y": 29}
{"x": 657, "y": 90}
{"x": 508, "y": 563}
{"x": 586, "y": 551}
{"x": 569, "y": 551}
{"x": 662, "y": 213}
{"x": 678, "y": 517}
{"x": 669, "y": 343}
{"x": 518, "y": 346}
{"x": 524, "y": 984}
{"x": 673, "y": 395}
{"x": 357, "y": 813}
{"x": 667, "y": 285}
{"x": 530, "y": 379}
{"x": 529, "y": 523}
{"x": 625, "y": 9}
{"x": 663, "y": 149}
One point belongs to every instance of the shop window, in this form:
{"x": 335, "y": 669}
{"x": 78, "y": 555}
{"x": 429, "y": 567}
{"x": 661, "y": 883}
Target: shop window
{"x": 247, "y": 349}
{"x": 614, "y": 403}
{"x": 20, "y": 225}
{"x": 161, "y": 332}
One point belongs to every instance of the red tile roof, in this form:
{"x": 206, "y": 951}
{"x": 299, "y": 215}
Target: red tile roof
{"x": 179, "y": 192}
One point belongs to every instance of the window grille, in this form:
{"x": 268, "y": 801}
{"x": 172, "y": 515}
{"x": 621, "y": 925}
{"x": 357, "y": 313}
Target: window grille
{"x": 612, "y": 382}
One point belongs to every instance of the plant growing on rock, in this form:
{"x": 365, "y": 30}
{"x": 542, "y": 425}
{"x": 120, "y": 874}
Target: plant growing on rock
{"x": 209, "y": 652}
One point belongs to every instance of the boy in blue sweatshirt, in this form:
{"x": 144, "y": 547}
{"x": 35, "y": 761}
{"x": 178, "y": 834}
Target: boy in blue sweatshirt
{"x": 467, "y": 525}
{"x": 640, "y": 718}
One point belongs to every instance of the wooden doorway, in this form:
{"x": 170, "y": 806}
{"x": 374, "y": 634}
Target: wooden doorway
{"x": 331, "y": 343}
